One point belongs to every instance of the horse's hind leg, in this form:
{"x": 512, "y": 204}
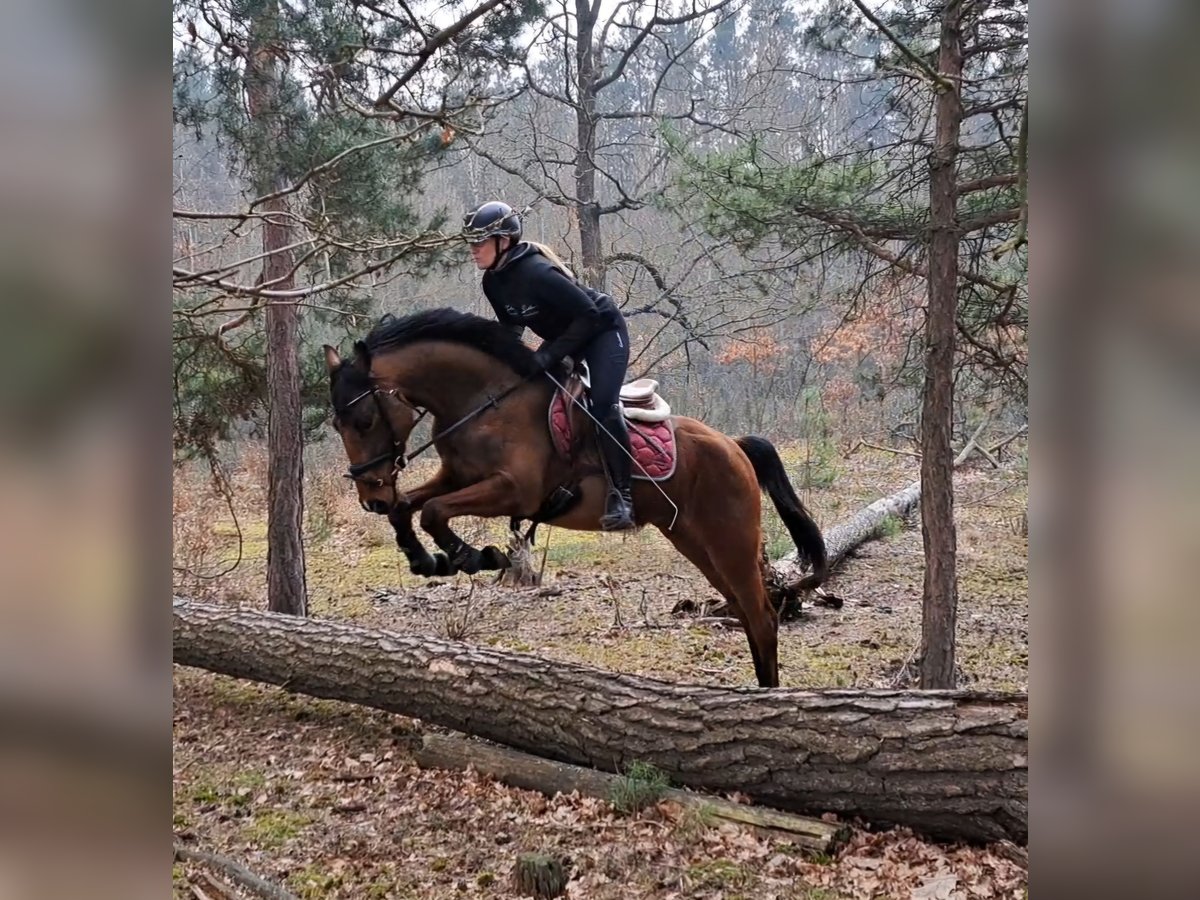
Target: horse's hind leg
{"x": 738, "y": 560}
{"x": 760, "y": 631}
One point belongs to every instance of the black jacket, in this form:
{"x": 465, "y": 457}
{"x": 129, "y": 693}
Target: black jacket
{"x": 527, "y": 291}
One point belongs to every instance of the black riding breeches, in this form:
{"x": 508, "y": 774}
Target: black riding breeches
{"x": 607, "y": 358}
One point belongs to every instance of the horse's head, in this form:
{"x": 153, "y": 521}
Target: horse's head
{"x": 374, "y": 424}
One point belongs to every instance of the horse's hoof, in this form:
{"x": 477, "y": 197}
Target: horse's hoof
{"x": 470, "y": 563}
{"x": 442, "y": 565}
{"x": 492, "y": 557}
{"x": 426, "y": 566}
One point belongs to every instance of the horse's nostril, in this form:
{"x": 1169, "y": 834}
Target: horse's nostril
{"x": 376, "y": 506}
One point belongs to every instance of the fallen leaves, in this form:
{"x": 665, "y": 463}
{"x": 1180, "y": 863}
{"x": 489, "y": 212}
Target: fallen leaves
{"x": 348, "y": 814}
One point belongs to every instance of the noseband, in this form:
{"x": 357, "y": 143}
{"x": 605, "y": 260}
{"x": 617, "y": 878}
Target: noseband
{"x": 396, "y": 454}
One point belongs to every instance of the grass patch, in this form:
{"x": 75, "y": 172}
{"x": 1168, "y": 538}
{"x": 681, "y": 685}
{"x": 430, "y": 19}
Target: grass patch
{"x": 694, "y": 821}
{"x": 310, "y": 883}
{"x": 721, "y": 873}
{"x": 641, "y": 786}
{"x": 272, "y": 828}
{"x": 891, "y": 526}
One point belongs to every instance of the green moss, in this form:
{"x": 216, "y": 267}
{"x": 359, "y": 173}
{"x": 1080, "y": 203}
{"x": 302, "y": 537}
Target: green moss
{"x": 207, "y": 793}
{"x": 721, "y": 873}
{"x": 248, "y": 779}
{"x": 272, "y": 828}
{"x": 379, "y": 889}
{"x": 311, "y": 883}
{"x": 829, "y": 665}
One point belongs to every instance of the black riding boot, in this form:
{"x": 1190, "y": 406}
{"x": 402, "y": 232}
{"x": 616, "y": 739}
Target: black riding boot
{"x": 618, "y": 507}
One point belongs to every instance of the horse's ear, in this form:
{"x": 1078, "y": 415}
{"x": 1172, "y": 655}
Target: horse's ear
{"x": 362, "y": 356}
{"x": 332, "y": 360}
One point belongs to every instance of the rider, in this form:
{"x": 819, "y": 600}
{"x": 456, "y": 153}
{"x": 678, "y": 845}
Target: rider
{"x": 529, "y": 286}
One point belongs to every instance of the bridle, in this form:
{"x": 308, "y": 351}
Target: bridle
{"x": 396, "y": 454}
{"x": 357, "y": 471}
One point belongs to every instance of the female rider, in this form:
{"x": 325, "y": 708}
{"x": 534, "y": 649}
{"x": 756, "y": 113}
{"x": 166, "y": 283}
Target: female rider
{"x": 528, "y": 286}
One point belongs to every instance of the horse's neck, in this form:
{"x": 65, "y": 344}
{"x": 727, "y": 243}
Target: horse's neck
{"x": 445, "y": 378}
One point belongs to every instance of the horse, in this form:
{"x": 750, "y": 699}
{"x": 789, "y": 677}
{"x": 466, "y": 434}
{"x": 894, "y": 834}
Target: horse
{"x": 491, "y": 429}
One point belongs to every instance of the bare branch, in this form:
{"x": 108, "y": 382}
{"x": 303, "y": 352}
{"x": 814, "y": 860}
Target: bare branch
{"x": 904, "y": 48}
{"x": 432, "y": 44}
{"x": 300, "y": 293}
{"x": 987, "y": 182}
{"x": 644, "y": 32}
{"x": 333, "y": 161}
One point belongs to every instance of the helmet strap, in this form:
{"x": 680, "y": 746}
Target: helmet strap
{"x": 499, "y": 254}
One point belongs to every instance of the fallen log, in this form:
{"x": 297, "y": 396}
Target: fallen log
{"x": 533, "y": 773}
{"x": 949, "y": 764}
{"x": 868, "y": 524}
{"x": 246, "y": 879}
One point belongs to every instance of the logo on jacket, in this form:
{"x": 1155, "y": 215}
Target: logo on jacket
{"x": 525, "y": 311}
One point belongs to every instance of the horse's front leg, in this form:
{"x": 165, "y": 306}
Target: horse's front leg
{"x": 494, "y": 496}
{"x": 420, "y": 560}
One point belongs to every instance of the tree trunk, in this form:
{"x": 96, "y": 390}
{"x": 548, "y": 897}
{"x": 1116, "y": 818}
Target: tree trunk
{"x": 528, "y": 772}
{"x": 587, "y": 208}
{"x": 285, "y": 442}
{"x": 940, "y": 600}
{"x": 948, "y": 764}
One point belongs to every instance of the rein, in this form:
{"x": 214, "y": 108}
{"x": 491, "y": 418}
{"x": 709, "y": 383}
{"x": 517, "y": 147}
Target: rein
{"x": 491, "y": 402}
{"x": 400, "y": 460}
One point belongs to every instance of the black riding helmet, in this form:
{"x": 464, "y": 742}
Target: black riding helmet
{"x": 492, "y": 219}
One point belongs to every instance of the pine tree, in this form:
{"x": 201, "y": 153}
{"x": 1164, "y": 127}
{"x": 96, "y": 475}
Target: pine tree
{"x": 329, "y": 112}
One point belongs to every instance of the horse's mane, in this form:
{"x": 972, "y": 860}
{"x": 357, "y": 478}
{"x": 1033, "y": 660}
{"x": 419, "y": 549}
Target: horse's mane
{"x": 446, "y": 324}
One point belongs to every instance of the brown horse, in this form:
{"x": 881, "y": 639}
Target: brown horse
{"x": 489, "y": 407}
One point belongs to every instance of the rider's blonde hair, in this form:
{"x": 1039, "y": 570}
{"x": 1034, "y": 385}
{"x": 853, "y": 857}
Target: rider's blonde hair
{"x": 554, "y": 258}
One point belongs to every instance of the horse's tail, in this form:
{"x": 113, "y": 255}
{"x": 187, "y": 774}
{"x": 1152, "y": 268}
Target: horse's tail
{"x": 772, "y": 478}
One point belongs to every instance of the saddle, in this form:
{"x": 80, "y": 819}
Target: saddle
{"x": 647, "y": 417}
{"x": 640, "y": 401}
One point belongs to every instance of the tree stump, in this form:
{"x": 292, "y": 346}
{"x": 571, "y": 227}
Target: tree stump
{"x": 521, "y": 571}
{"x": 539, "y": 875}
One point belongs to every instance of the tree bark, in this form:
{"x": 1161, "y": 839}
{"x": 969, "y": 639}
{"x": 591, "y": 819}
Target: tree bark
{"x": 587, "y": 208}
{"x": 948, "y": 764}
{"x": 940, "y": 599}
{"x": 528, "y": 772}
{"x": 539, "y": 875}
{"x": 286, "y": 590}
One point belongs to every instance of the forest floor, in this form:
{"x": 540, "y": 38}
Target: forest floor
{"x": 324, "y": 797}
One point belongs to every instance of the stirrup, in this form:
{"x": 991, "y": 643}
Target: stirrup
{"x": 618, "y": 513}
